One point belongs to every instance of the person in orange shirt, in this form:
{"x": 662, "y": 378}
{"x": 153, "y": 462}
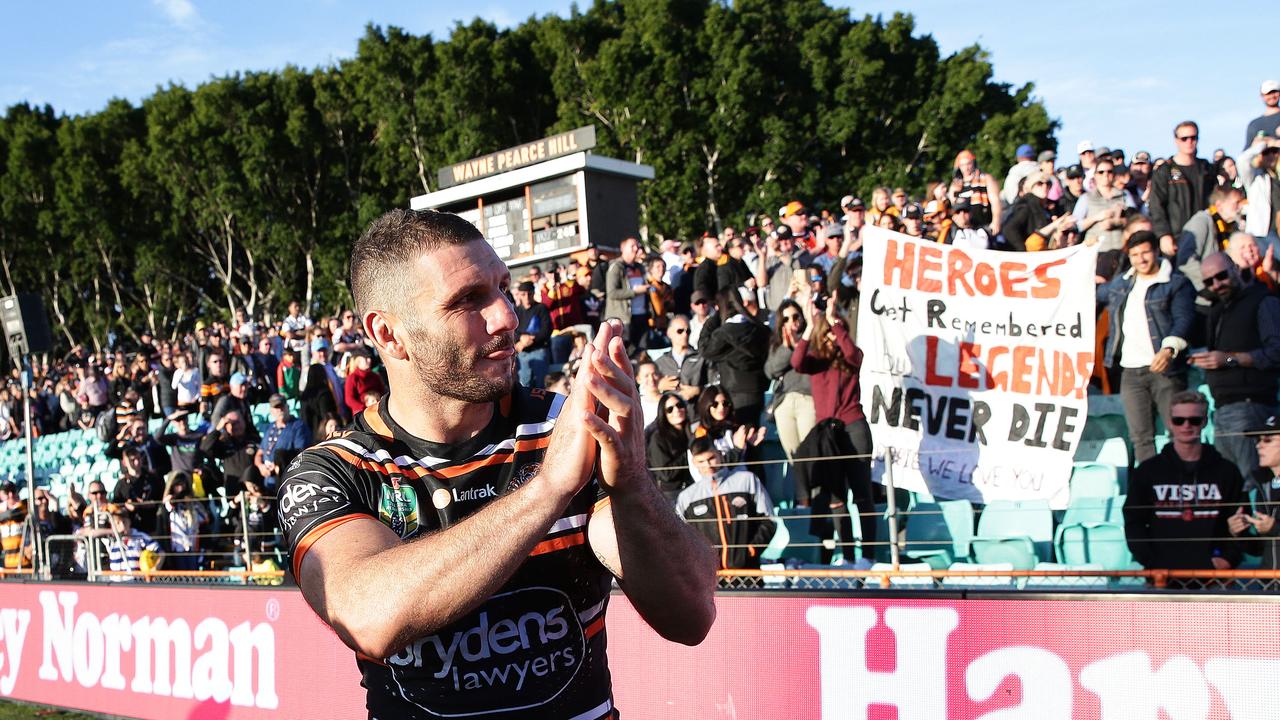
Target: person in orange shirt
{"x": 13, "y": 520}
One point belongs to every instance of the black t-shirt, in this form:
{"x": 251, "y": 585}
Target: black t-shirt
{"x": 536, "y": 648}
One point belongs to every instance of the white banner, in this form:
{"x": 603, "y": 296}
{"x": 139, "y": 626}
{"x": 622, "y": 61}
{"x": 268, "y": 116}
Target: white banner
{"x": 976, "y": 365}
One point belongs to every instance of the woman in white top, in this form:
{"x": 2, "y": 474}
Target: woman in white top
{"x": 186, "y": 381}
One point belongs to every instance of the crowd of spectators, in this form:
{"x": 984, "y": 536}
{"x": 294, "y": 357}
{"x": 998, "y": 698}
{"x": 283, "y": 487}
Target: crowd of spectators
{"x": 719, "y": 325}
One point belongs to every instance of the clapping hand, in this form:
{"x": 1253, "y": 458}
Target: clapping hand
{"x": 618, "y": 423}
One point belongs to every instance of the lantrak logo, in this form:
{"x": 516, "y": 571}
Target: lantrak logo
{"x": 475, "y": 493}
{"x": 520, "y": 650}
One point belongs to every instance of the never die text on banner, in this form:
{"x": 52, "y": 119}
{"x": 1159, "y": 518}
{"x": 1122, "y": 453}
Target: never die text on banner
{"x": 976, "y": 366}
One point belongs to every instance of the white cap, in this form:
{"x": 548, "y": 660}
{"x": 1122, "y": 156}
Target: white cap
{"x": 1270, "y": 86}
{"x": 1084, "y": 146}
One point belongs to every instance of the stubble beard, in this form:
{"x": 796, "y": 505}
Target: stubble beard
{"x": 446, "y": 368}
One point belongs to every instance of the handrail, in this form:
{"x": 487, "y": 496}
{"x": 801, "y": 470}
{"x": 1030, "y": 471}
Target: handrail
{"x": 1159, "y": 578}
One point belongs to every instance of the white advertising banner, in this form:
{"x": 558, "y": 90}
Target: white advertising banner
{"x": 976, "y": 366}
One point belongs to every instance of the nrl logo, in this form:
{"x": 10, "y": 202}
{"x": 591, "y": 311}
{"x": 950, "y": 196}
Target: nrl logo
{"x": 398, "y": 509}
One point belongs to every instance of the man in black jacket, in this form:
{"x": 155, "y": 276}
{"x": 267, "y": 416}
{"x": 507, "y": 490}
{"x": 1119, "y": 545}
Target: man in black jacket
{"x": 1180, "y": 188}
{"x": 229, "y": 443}
{"x": 1242, "y": 362}
{"x": 1176, "y": 514}
{"x": 139, "y": 489}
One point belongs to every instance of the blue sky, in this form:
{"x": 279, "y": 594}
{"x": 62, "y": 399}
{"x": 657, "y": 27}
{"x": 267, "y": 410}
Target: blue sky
{"x": 1118, "y": 73}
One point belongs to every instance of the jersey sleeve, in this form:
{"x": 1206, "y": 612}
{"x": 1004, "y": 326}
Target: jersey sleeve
{"x": 319, "y": 492}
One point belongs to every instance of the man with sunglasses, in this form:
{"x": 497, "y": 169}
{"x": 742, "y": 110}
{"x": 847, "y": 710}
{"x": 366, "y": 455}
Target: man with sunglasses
{"x": 1152, "y": 313}
{"x": 1176, "y": 514}
{"x": 1180, "y": 188}
{"x": 1242, "y": 360}
{"x": 682, "y": 370}
{"x": 1099, "y": 213}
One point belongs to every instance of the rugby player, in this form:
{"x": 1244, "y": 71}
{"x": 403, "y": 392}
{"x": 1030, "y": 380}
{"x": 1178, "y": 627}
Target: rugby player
{"x": 462, "y": 536}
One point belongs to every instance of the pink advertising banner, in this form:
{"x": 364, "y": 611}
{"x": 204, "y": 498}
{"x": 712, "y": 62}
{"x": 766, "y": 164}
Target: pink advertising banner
{"x": 160, "y": 652}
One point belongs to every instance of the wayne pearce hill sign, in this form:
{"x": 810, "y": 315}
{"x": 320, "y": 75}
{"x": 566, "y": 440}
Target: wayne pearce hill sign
{"x": 567, "y": 143}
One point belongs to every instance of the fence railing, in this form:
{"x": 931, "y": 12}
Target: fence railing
{"x": 1255, "y": 581}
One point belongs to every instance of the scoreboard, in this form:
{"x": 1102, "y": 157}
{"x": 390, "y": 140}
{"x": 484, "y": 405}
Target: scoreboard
{"x": 548, "y": 208}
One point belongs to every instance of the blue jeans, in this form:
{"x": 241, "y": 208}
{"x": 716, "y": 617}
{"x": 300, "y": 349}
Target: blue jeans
{"x": 531, "y": 367}
{"x": 1232, "y": 421}
{"x": 561, "y": 348}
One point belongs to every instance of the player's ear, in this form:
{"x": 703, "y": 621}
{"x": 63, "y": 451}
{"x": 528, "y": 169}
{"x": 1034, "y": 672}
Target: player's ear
{"x": 387, "y": 333}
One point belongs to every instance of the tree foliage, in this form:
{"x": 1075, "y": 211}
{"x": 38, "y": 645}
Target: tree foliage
{"x": 248, "y": 190}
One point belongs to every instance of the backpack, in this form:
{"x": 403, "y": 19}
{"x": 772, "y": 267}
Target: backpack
{"x": 106, "y": 426}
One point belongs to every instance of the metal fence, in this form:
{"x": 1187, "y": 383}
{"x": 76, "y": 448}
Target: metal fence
{"x": 1242, "y": 581}
{"x": 220, "y": 555}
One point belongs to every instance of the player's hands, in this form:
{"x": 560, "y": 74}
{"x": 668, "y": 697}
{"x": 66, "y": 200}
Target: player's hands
{"x": 571, "y": 451}
{"x": 618, "y": 424}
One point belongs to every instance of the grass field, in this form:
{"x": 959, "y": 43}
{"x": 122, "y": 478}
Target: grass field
{"x": 20, "y": 711}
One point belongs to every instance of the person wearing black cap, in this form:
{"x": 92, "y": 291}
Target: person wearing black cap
{"x": 1072, "y": 188}
{"x": 959, "y": 231}
{"x": 286, "y": 437}
{"x": 533, "y": 336}
{"x": 1263, "y": 493}
{"x": 913, "y": 220}
{"x": 775, "y": 266}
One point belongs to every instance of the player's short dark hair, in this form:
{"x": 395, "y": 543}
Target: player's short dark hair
{"x": 393, "y": 241}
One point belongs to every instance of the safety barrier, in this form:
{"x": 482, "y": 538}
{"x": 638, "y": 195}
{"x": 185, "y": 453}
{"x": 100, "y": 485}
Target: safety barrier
{"x": 1257, "y": 581}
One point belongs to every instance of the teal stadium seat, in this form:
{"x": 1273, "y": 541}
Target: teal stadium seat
{"x": 1094, "y": 479}
{"x": 1092, "y": 532}
{"x": 940, "y": 533}
{"x": 1096, "y": 543}
{"x": 1016, "y": 532}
